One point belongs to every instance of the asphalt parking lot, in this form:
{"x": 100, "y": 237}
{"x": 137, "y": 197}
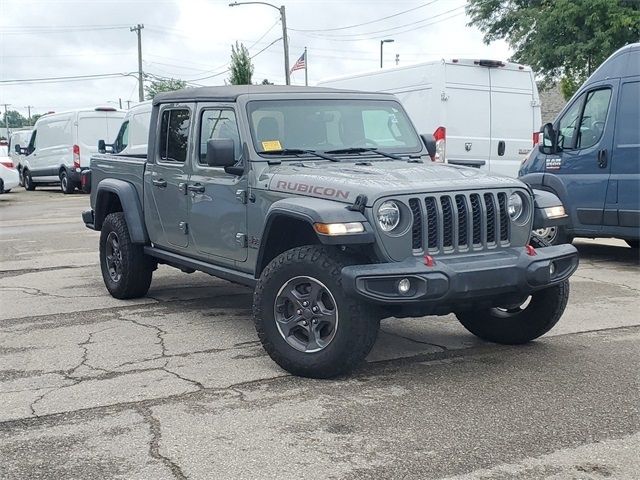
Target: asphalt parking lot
{"x": 176, "y": 385}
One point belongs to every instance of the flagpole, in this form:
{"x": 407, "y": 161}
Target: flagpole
{"x": 306, "y": 65}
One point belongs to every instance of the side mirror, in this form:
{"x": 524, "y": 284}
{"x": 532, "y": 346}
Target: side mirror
{"x": 221, "y": 153}
{"x": 18, "y": 149}
{"x": 549, "y": 144}
{"x": 102, "y": 147}
{"x": 430, "y": 143}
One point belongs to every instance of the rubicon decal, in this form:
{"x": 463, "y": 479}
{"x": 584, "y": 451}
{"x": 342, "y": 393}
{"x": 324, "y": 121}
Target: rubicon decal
{"x": 318, "y": 190}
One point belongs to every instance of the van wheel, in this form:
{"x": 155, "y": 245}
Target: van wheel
{"x": 28, "y": 181}
{"x": 518, "y": 324}
{"x": 126, "y": 270}
{"x": 2, "y": 187}
{"x": 65, "y": 184}
{"x": 305, "y": 321}
{"x": 553, "y": 235}
{"x": 20, "y": 177}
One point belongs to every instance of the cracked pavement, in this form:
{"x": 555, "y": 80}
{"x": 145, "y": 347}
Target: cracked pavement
{"x": 176, "y": 385}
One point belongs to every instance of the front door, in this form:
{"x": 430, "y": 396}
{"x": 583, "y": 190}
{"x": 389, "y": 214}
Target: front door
{"x": 583, "y": 166}
{"x": 218, "y": 213}
{"x": 166, "y": 178}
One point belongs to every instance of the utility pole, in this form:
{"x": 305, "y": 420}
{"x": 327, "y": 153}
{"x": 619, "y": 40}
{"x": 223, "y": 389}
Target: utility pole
{"x": 382, "y": 42}
{"x": 138, "y": 29}
{"x": 120, "y": 101}
{"x": 397, "y": 59}
{"x": 29, "y": 107}
{"x": 306, "y": 68}
{"x": 285, "y": 38}
{"x": 128, "y": 104}
{"x": 6, "y": 118}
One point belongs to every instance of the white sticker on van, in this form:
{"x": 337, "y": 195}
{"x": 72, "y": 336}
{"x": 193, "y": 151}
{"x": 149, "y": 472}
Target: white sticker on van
{"x": 554, "y": 163}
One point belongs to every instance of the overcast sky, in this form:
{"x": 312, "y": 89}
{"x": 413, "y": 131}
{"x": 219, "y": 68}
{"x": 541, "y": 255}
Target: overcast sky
{"x": 191, "y": 40}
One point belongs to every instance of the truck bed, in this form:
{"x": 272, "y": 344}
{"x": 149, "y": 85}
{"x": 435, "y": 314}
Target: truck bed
{"x": 126, "y": 168}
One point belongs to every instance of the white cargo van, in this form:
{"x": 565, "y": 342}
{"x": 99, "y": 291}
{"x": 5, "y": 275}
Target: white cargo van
{"x": 482, "y": 113}
{"x": 62, "y": 144}
{"x": 17, "y": 141}
{"x": 133, "y": 135}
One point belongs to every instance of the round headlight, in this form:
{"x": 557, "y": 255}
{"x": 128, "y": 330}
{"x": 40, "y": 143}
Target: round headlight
{"x": 515, "y": 206}
{"x": 388, "y": 216}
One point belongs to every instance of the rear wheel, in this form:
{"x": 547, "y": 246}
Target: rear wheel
{"x": 65, "y": 184}
{"x": 126, "y": 270}
{"x": 28, "y": 181}
{"x": 304, "y": 320}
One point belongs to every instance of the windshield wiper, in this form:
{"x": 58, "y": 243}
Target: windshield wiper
{"x": 299, "y": 151}
{"x": 363, "y": 150}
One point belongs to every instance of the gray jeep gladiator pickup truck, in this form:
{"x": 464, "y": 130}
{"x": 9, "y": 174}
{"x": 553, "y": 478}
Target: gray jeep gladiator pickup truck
{"x": 328, "y": 204}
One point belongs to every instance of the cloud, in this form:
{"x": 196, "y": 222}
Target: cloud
{"x": 191, "y": 39}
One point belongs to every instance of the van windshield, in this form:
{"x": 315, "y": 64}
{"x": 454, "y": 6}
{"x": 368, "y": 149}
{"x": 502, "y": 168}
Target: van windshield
{"x": 326, "y": 125}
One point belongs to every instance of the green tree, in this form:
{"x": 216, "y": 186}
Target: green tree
{"x": 35, "y": 117}
{"x": 16, "y": 120}
{"x": 160, "y": 85}
{"x": 241, "y": 66}
{"x": 266, "y": 82}
{"x": 561, "y": 39}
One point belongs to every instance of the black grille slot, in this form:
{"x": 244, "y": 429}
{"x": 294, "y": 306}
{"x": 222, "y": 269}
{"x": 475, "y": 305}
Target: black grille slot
{"x": 461, "y": 205}
{"x": 476, "y": 210}
{"x": 491, "y": 217}
{"x": 416, "y": 230}
{"x": 447, "y": 222}
{"x": 504, "y": 217}
{"x": 432, "y": 222}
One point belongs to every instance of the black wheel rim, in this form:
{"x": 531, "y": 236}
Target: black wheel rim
{"x": 306, "y": 314}
{"x": 113, "y": 257}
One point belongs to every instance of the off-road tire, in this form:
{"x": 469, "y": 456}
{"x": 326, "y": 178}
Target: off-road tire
{"x": 66, "y": 185}
{"x": 633, "y": 243}
{"x": 538, "y": 317}
{"x": 28, "y": 181}
{"x": 358, "y": 323}
{"x": 137, "y": 268}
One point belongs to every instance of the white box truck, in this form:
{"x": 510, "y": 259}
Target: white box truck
{"x": 482, "y": 113}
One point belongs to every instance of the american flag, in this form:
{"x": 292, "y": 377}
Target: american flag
{"x": 301, "y": 64}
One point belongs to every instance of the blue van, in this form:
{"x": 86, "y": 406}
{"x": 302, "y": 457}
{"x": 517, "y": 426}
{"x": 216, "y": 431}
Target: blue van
{"x": 590, "y": 155}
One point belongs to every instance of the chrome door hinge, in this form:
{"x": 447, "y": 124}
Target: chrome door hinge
{"x": 241, "y": 196}
{"x": 184, "y": 226}
{"x": 241, "y": 238}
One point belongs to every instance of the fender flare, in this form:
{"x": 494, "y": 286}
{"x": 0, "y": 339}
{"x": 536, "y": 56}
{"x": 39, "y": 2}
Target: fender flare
{"x": 545, "y": 199}
{"x": 131, "y": 207}
{"x": 316, "y": 210}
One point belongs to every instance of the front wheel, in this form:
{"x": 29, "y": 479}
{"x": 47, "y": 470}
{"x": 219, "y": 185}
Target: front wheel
{"x": 126, "y": 270}
{"x": 28, "y": 181}
{"x": 305, "y": 321}
{"x": 517, "y": 324}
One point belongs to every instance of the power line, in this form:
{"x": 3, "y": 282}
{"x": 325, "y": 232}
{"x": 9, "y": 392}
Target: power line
{"x": 70, "y": 78}
{"x": 365, "y": 23}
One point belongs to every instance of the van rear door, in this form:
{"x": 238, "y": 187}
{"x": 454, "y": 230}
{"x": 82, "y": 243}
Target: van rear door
{"x": 467, "y": 114}
{"x": 512, "y": 117}
{"x": 99, "y": 124}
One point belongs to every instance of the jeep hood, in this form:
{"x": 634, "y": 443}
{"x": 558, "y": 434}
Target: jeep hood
{"x": 345, "y": 181}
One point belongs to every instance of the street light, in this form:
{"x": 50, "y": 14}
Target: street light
{"x": 382, "y": 42}
{"x": 285, "y": 39}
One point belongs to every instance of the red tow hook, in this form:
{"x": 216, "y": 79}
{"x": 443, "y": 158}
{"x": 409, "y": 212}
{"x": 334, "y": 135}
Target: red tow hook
{"x": 429, "y": 261}
{"x": 531, "y": 251}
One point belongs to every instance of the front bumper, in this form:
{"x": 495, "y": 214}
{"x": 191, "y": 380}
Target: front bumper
{"x": 486, "y": 277}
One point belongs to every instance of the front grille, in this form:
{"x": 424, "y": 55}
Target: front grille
{"x": 449, "y": 223}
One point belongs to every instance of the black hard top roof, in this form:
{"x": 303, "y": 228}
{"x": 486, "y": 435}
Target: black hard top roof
{"x": 230, "y": 93}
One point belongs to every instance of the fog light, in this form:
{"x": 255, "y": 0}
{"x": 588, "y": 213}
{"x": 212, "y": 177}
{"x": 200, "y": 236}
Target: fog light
{"x": 404, "y": 286}
{"x": 552, "y": 269}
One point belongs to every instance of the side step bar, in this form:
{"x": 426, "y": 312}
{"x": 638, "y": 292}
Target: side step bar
{"x": 177, "y": 260}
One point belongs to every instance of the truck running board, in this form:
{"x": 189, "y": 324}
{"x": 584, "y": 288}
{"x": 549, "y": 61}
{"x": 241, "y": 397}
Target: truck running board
{"x": 180, "y": 261}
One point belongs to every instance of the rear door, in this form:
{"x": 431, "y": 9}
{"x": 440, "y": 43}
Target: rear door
{"x": 93, "y": 126}
{"x": 467, "y": 106}
{"x": 623, "y": 201}
{"x": 512, "y": 118}
{"x": 166, "y": 178}
{"x": 581, "y": 171}
{"x": 218, "y": 212}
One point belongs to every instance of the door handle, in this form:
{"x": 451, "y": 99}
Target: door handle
{"x": 196, "y": 188}
{"x": 159, "y": 183}
{"x": 602, "y": 158}
{"x": 501, "y": 148}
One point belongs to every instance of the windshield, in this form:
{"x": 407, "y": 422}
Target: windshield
{"x": 325, "y": 125}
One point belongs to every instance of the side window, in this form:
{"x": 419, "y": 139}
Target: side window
{"x": 174, "y": 135}
{"x": 32, "y": 143}
{"x": 217, "y": 124}
{"x": 568, "y": 123}
{"x": 122, "y": 140}
{"x": 594, "y": 118}
{"x": 628, "y": 124}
